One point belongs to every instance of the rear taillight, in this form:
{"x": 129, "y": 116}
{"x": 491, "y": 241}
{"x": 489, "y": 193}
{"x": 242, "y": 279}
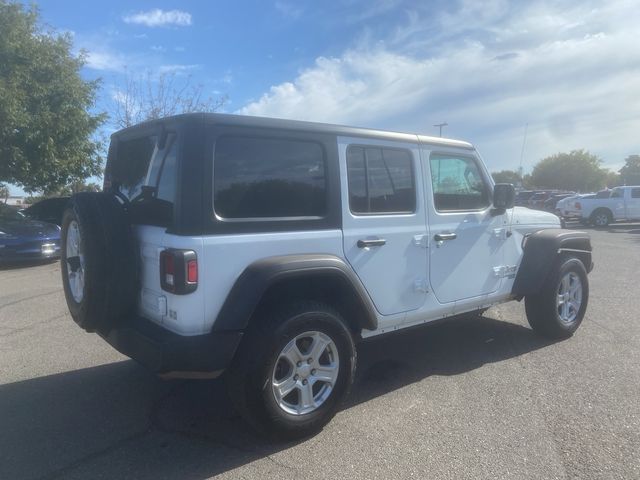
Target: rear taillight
{"x": 578, "y": 206}
{"x": 178, "y": 271}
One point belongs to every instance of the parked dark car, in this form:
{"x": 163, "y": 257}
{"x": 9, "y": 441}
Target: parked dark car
{"x": 551, "y": 202}
{"x": 537, "y": 200}
{"x": 49, "y": 210}
{"x": 522, "y": 197}
{"x": 24, "y": 239}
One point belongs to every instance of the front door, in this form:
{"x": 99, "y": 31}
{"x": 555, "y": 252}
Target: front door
{"x": 466, "y": 234}
{"x": 384, "y": 230}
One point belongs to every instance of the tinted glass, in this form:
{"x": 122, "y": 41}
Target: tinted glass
{"x": 128, "y": 170}
{"x": 380, "y": 180}
{"x": 9, "y": 213}
{"x": 457, "y": 184}
{"x": 635, "y": 193}
{"x": 168, "y": 170}
{"x": 616, "y": 193}
{"x": 262, "y": 178}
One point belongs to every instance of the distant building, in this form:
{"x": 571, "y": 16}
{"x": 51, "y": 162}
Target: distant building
{"x": 16, "y": 201}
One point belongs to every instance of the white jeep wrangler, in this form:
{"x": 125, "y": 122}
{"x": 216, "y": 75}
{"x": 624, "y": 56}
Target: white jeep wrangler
{"x": 266, "y": 249}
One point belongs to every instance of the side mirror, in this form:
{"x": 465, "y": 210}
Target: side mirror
{"x": 504, "y": 196}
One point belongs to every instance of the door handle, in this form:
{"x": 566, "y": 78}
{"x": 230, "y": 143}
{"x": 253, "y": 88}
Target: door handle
{"x": 374, "y": 242}
{"x": 441, "y": 237}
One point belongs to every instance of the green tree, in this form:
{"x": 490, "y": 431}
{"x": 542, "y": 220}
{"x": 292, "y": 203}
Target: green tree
{"x": 630, "y": 173}
{"x": 613, "y": 179}
{"x": 577, "y": 170}
{"x": 507, "y": 176}
{"x": 47, "y": 132}
{"x": 4, "y": 193}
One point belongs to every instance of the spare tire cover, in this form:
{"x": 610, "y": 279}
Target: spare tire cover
{"x": 101, "y": 249}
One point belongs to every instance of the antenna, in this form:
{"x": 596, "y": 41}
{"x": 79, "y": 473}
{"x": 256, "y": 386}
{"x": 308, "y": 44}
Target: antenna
{"x": 440, "y": 125}
{"x": 524, "y": 141}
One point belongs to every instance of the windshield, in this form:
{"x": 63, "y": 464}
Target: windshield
{"x": 10, "y": 213}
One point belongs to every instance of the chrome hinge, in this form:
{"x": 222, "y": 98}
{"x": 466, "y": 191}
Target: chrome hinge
{"x": 505, "y": 271}
{"x": 421, "y": 241}
{"x": 420, "y": 285}
{"x": 498, "y": 232}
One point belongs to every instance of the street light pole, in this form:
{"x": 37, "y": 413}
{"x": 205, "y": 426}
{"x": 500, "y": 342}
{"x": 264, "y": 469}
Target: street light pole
{"x": 440, "y": 125}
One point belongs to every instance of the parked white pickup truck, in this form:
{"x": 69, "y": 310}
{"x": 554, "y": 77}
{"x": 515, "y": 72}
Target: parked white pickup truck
{"x": 623, "y": 204}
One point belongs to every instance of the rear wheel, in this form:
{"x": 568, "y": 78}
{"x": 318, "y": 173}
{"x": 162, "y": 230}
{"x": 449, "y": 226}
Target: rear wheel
{"x": 293, "y": 369}
{"x": 558, "y": 309}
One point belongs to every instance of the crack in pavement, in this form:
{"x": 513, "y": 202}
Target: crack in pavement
{"x": 32, "y": 297}
{"x": 61, "y": 472}
{"x": 16, "y": 330}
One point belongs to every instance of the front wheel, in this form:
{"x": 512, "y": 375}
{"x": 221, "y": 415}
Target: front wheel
{"x": 293, "y": 369}
{"x": 601, "y": 218}
{"x": 558, "y": 309}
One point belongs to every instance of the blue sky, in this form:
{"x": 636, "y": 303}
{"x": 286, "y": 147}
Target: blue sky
{"x": 568, "y": 69}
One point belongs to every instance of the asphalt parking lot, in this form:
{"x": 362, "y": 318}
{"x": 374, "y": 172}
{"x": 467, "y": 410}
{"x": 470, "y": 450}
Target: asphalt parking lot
{"x": 472, "y": 398}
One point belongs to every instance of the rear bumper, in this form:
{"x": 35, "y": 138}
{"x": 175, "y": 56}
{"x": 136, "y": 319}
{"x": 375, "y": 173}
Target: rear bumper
{"x": 167, "y": 353}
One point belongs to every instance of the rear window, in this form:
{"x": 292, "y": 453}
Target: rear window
{"x": 143, "y": 162}
{"x": 128, "y": 171}
{"x": 635, "y": 193}
{"x": 262, "y": 178}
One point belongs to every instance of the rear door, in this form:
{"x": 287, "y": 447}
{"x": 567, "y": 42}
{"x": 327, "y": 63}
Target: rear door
{"x": 384, "y": 231}
{"x": 633, "y": 204}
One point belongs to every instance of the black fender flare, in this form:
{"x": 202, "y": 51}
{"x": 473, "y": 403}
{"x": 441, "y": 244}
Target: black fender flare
{"x": 252, "y": 284}
{"x": 541, "y": 249}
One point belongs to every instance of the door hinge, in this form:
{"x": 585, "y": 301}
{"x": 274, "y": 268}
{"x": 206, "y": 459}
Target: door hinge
{"x": 421, "y": 241}
{"x": 420, "y": 285}
{"x": 498, "y": 232}
{"x": 505, "y": 271}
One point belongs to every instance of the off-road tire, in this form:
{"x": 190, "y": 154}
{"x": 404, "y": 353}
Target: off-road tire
{"x": 249, "y": 379}
{"x": 543, "y": 309}
{"x": 110, "y": 261}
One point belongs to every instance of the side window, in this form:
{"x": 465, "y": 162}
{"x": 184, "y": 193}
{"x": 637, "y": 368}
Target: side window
{"x": 635, "y": 193}
{"x": 380, "y": 180}
{"x": 616, "y": 193}
{"x": 167, "y": 182}
{"x": 457, "y": 183}
{"x": 129, "y": 170}
{"x": 268, "y": 178}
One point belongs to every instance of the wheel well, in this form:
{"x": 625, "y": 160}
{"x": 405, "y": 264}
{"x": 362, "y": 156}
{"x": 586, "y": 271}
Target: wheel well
{"x": 330, "y": 289}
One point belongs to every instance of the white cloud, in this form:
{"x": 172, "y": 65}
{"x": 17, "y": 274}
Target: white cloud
{"x": 177, "y": 69}
{"x": 288, "y": 9}
{"x": 571, "y": 73}
{"x": 159, "y": 18}
{"x": 106, "y": 60}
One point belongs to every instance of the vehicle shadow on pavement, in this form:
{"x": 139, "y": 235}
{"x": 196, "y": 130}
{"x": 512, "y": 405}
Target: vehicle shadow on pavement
{"x": 118, "y": 421}
{"x": 14, "y": 265}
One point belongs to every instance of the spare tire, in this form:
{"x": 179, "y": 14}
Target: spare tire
{"x": 99, "y": 261}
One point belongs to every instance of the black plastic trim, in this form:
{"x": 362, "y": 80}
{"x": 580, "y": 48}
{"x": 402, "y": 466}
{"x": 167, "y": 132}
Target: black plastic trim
{"x": 256, "y": 279}
{"x": 162, "y": 351}
{"x": 540, "y": 252}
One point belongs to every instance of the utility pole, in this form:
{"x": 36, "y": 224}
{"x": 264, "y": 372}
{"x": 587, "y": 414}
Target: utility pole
{"x": 440, "y": 125}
